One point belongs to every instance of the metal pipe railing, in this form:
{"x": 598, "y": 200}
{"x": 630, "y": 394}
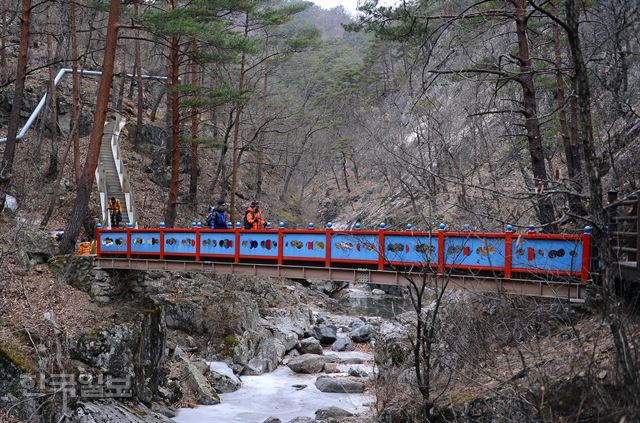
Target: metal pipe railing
{"x": 56, "y": 81}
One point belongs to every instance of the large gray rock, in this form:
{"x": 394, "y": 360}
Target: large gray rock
{"x": 203, "y": 392}
{"x": 36, "y": 243}
{"x": 222, "y": 379}
{"x": 108, "y": 411}
{"x": 186, "y": 316}
{"x": 332, "y": 413}
{"x": 307, "y": 363}
{"x": 302, "y": 419}
{"x": 339, "y": 385}
{"x": 361, "y": 334}
{"x": 342, "y": 344}
{"x": 133, "y": 350}
{"x": 310, "y": 346}
{"x": 265, "y": 351}
{"x": 326, "y": 334}
{"x": 272, "y": 420}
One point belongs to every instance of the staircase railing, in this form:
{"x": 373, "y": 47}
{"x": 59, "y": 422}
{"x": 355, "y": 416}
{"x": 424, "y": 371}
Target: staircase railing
{"x": 123, "y": 173}
{"x": 624, "y": 226}
{"x": 101, "y": 181}
{"x": 123, "y": 178}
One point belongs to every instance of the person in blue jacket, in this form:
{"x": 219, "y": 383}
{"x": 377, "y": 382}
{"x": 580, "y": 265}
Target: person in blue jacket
{"x": 217, "y": 218}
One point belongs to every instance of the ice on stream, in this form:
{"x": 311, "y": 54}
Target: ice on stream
{"x": 273, "y": 394}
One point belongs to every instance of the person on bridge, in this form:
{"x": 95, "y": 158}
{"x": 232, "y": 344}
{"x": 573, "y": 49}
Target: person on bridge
{"x": 116, "y": 212}
{"x": 217, "y": 218}
{"x": 253, "y": 217}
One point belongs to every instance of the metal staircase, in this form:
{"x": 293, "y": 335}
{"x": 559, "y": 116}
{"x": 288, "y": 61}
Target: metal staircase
{"x": 112, "y": 176}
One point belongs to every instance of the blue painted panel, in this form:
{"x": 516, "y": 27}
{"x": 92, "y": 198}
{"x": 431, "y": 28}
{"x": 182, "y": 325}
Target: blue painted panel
{"x": 411, "y": 249}
{"x": 470, "y": 251}
{"x": 221, "y": 243}
{"x": 180, "y": 242}
{"x": 259, "y": 244}
{"x": 354, "y": 247}
{"x": 547, "y": 254}
{"x": 145, "y": 242}
{"x": 113, "y": 242}
{"x": 305, "y": 245}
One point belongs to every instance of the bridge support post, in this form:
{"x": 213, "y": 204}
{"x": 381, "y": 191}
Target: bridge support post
{"x": 508, "y": 246}
{"x": 441, "y": 248}
{"x": 381, "y": 247}
{"x": 586, "y": 255}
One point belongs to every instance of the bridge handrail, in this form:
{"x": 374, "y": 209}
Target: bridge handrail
{"x": 101, "y": 181}
{"x": 123, "y": 173}
{"x": 373, "y": 248}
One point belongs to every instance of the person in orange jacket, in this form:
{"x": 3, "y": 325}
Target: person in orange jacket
{"x": 253, "y": 217}
{"x": 116, "y": 212}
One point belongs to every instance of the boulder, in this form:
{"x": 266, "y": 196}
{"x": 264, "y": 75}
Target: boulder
{"x": 129, "y": 349}
{"x": 356, "y": 324}
{"x": 357, "y": 372}
{"x": 36, "y": 243}
{"x": 361, "y": 334}
{"x": 326, "y": 334}
{"x": 307, "y": 363}
{"x": 332, "y": 413}
{"x": 352, "y": 360}
{"x": 107, "y": 411}
{"x": 186, "y": 316}
{"x": 310, "y": 346}
{"x": 272, "y": 420}
{"x": 203, "y": 392}
{"x": 222, "y": 379}
{"x": 342, "y": 344}
{"x": 340, "y": 385}
{"x": 266, "y": 352}
{"x": 302, "y": 419}
{"x": 377, "y": 292}
{"x": 331, "y": 368}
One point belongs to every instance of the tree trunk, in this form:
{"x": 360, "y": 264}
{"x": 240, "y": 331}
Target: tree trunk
{"x": 134, "y": 69}
{"x": 14, "y": 116}
{"x": 138, "y": 70}
{"x": 236, "y": 129}
{"x": 81, "y": 204}
{"x": 75, "y": 104}
{"x": 174, "y": 74}
{"x": 546, "y": 214}
{"x": 261, "y": 139}
{"x": 3, "y": 36}
{"x": 121, "y": 89}
{"x": 193, "y": 182}
{"x": 571, "y": 151}
{"x": 53, "y": 103}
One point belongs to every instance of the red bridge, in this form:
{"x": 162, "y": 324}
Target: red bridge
{"x": 546, "y": 265}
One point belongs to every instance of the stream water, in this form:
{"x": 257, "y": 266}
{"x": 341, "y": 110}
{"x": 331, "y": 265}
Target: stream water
{"x": 278, "y": 393}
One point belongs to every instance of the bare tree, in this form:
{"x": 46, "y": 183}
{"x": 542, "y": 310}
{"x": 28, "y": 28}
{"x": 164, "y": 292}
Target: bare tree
{"x": 79, "y": 212}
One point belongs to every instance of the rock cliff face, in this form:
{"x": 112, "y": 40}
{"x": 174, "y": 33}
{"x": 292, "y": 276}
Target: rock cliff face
{"x": 133, "y": 350}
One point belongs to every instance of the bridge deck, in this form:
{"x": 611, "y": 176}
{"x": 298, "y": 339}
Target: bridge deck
{"x": 490, "y": 284}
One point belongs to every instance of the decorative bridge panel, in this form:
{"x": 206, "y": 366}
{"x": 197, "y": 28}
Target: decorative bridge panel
{"x": 474, "y": 253}
{"x": 411, "y": 249}
{"x": 258, "y": 244}
{"x": 298, "y": 246}
{"x": 546, "y": 255}
{"x": 354, "y": 247}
